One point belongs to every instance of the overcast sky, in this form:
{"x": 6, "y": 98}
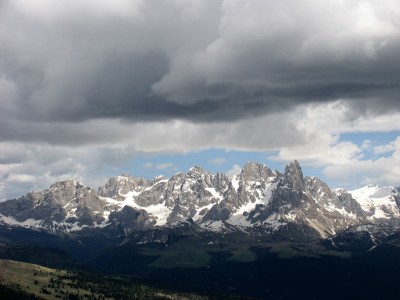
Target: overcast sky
{"x": 93, "y": 88}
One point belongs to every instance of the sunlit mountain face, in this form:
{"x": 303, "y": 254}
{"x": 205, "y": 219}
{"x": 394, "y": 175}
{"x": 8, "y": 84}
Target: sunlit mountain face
{"x": 253, "y": 198}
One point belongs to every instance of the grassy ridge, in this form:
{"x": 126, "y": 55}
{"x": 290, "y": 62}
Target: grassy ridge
{"x": 47, "y": 283}
{"x": 43, "y": 282}
{"x": 20, "y": 280}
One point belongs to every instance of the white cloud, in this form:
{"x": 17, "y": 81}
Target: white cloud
{"x": 159, "y": 166}
{"x": 310, "y": 134}
{"x": 345, "y": 162}
{"x": 148, "y": 165}
{"x": 322, "y": 126}
{"x": 384, "y": 171}
{"x": 236, "y": 169}
{"x": 367, "y": 144}
{"x": 217, "y": 161}
{"x": 36, "y": 166}
{"x": 20, "y": 178}
{"x": 382, "y": 149}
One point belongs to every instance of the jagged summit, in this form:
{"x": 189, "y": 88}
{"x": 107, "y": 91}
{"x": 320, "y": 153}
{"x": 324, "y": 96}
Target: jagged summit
{"x": 197, "y": 170}
{"x": 118, "y": 186}
{"x": 256, "y": 172}
{"x": 65, "y": 184}
{"x": 66, "y": 205}
{"x": 294, "y": 176}
{"x": 288, "y": 204}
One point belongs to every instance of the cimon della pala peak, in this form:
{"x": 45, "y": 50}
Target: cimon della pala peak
{"x": 257, "y": 200}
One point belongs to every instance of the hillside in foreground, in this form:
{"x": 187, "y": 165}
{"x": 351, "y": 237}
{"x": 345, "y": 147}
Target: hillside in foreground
{"x": 21, "y": 280}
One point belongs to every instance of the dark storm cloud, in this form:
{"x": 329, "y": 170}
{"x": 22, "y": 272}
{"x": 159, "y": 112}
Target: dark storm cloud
{"x": 87, "y": 85}
{"x": 200, "y": 60}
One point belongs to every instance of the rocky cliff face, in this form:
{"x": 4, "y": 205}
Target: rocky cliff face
{"x": 257, "y": 197}
{"x": 65, "y": 205}
{"x": 118, "y": 187}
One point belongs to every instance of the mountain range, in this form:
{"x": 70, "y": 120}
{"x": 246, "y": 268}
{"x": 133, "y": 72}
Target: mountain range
{"x": 255, "y": 199}
{"x": 259, "y": 232}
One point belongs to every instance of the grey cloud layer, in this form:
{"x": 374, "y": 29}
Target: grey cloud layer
{"x": 197, "y": 60}
{"x": 85, "y": 85}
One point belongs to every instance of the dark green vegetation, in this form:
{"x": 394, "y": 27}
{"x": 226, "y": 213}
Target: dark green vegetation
{"x": 23, "y": 280}
{"x": 278, "y": 271}
{"x": 216, "y": 265}
{"x": 19, "y": 280}
{"x": 45, "y": 256}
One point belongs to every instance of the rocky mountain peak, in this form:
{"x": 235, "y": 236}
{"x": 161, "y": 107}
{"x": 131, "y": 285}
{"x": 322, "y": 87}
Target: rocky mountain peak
{"x": 58, "y": 208}
{"x": 339, "y": 191}
{"x": 396, "y": 195}
{"x": 62, "y": 192}
{"x": 317, "y": 188}
{"x": 66, "y": 184}
{"x": 158, "y": 178}
{"x": 293, "y": 176}
{"x": 196, "y": 170}
{"x": 256, "y": 196}
{"x": 256, "y": 172}
{"x": 120, "y": 185}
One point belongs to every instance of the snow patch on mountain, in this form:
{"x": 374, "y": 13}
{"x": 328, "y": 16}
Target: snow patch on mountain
{"x": 214, "y": 193}
{"x": 216, "y": 226}
{"x": 378, "y": 202}
{"x": 235, "y": 182}
{"x": 159, "y": 211}
{"x": 201, "y": 211}
{"x": 275, "y": 222}
{"x": 255, "y": 197}
{"x": 241, "y": 216}
{"x": 28, "y": 223}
